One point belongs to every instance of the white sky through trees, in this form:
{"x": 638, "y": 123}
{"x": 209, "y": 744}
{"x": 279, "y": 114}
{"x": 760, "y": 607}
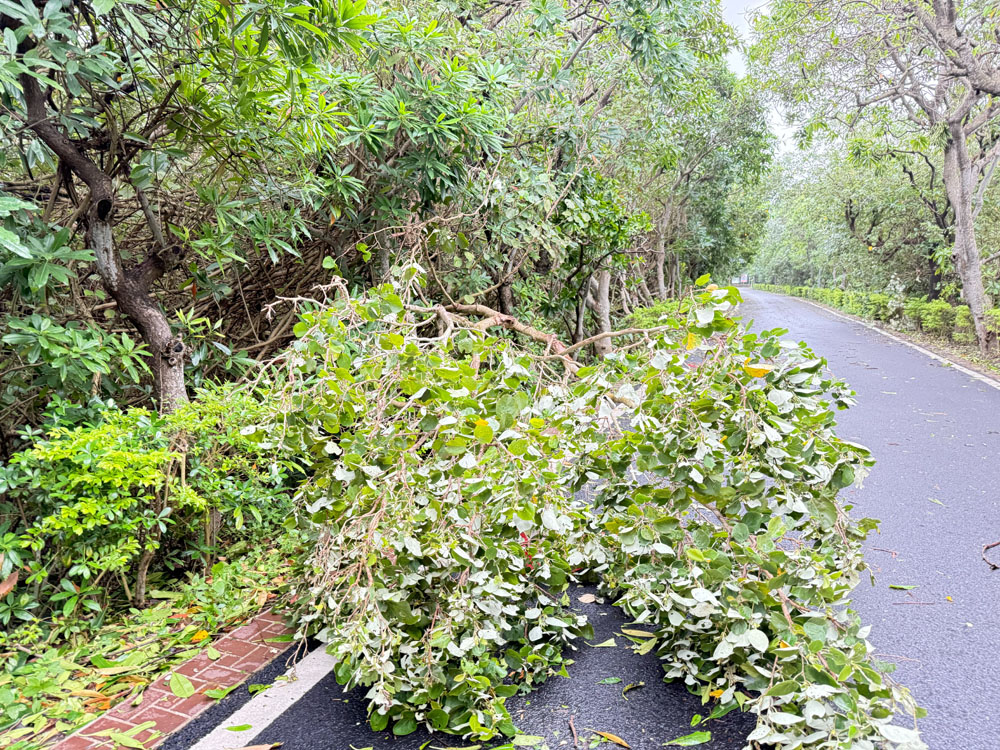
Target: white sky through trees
{"x": 735, "y": 13}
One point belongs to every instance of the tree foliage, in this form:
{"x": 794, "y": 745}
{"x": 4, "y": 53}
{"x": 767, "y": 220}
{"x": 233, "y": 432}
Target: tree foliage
{"x": 169, "y": 173}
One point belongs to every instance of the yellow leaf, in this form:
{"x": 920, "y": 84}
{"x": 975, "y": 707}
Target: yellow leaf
{"x": 757, "y": 370}
{"x": 612, "y": 738}
{"x": 638, "y": 633}
{"x": 690, "y": 341}
{"x": 716, "y": 693}
{"x": 199, "y": 636}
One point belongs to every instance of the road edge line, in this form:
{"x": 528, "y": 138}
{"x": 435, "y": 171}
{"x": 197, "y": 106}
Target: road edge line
{"x": 271, "y": 703}
{"x": 991, "y": 382}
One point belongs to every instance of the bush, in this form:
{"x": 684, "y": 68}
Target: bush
{"x": 913, "y": 311}
{"x": 651, "y": 317}
{"x": 938, "y": 317}
{"x": 96, "y": 503}
{"x": 879, "y": 306}
{"x": 965, "y": 331}
{"x": 993, "y": 320}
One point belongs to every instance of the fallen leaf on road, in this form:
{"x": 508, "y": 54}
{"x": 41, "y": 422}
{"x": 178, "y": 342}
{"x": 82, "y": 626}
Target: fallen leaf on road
{"x": 271, "y": 747}
{"x": 240, "y": 727}
{"x": 901, "y": 587}
{"x": 587, "y": 599}
{"x": 690, "y": 740}
{"x": 610, "y": 681}
{"x": 180, "y": 685}
{"x": 527, "y": 740}
{"x": 632, "y": 686}
{"x": 612, "y": 738}
{"x": 638, "y": 633}
{"x": 610, "y": 643}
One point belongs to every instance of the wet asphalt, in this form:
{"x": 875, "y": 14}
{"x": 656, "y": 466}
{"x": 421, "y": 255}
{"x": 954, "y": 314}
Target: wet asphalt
{"x": 935, "y": 434}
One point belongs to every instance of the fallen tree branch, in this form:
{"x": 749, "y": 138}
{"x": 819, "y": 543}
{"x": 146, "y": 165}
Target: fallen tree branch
{"x": 993, "y": 565}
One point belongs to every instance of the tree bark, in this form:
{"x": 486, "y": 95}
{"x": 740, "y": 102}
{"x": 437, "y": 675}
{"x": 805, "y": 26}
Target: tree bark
{"x": 602, "y": 311}
{"x": 128, "y": 287}
{"x": 959, "y": 181}
{"x": 659, "y": 256}
{"x": 505, "y": 298}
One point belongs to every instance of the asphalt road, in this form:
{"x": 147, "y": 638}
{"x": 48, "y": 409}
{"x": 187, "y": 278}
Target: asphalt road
{"x": 935, "y": 434}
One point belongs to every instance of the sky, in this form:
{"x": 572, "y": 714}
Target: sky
{"x": 735, "y": 13}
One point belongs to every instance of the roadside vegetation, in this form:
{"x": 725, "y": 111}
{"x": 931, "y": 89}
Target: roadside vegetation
{"x": 895, "y": 110}
{"x": 937, "y": 321}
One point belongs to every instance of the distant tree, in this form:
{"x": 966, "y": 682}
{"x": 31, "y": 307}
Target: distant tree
{"x": 924, "y": 73}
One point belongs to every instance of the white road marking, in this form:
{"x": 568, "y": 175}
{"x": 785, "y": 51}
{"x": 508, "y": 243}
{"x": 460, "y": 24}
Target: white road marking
{"x": 943, "y": 360}
{"x": 261, "y": 711}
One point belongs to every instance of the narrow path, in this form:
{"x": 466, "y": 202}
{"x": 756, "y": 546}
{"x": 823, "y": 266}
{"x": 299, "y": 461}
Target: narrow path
{"x": 935, "y": 433}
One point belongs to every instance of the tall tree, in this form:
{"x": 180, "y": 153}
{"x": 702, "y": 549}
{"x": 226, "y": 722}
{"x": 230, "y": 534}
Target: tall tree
{"x": 922, "y": 71}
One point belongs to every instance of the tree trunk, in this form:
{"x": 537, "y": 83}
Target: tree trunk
{"x": 602, "y": 310}
{"x": 959, "y": 182}
{"x": 659, "y": 256}
{"x": 645, "y": 296}
{"x": 129, "y": 288}
{"x": 505, "y": 298}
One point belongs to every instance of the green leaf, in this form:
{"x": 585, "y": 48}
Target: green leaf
{"x": 126, "y": 741}
{"x": 405, "y": 726}
{"x": 690, "y": 740}
{"x": 483, "y": 432}
{"x": 902, "y": 587}
{"x": 180, "y": 685}
{"x": 609, "y": 681}
{"x": 527, "y": 740}
{"x": 240, "y": 727}
{"x": 610, "y": 643}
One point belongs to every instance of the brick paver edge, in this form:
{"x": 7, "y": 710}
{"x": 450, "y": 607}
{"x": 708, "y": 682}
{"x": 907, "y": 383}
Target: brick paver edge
{"x": 243, "y": 651}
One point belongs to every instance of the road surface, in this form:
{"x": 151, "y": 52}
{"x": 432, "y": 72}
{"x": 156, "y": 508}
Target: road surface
{"x": 935, "y": 434}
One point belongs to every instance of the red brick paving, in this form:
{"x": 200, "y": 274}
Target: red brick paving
{"x": 243, "y": 651}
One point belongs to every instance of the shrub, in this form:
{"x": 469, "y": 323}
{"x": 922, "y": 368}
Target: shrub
{"x": 938, "y": 317}
{"x": 913, "y": 311}
{"x": 965, "y": 331}
{"x": 651, "y": 317}
{"x": 97, "y": 502}
{"x": 993, "y": 320}
{"x": 879, "y": 305}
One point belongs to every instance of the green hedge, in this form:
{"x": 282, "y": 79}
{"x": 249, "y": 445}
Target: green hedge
{"x": 937, "y": 317}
